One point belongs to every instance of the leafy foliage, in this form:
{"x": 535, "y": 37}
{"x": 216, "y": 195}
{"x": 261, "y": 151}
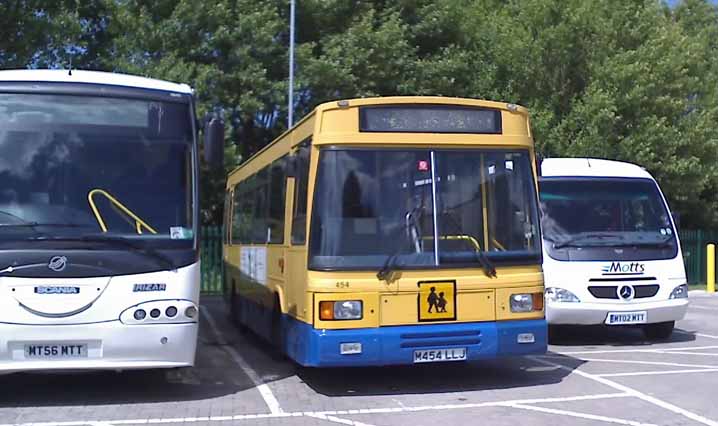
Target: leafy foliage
{"x": 635, "y": 81}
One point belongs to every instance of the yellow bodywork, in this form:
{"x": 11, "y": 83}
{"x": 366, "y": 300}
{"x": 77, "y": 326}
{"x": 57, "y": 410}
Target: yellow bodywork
{"x": 386, "y": 303}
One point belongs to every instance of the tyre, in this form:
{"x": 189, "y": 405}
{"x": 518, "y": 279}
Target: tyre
{"x": 659, "y": 331}
{"x": 235, "y": 309}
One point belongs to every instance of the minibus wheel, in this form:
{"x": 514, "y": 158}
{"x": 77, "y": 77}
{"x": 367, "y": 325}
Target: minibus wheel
{"x": 659, "y": 330}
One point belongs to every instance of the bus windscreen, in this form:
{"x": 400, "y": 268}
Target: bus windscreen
{"x": 371, "y": 205}
{"x": 76, "y": 164}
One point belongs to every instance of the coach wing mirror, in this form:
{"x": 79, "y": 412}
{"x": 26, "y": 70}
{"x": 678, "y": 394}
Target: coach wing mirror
{"x": 676, "y": 220}
{"x": 214, "y": 142}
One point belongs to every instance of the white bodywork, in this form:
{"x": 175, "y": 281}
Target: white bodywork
{"x": 92, "y": 77}
{"x": 575, "y": 276}
{"x": 99, "y": 317}
{"x": 105, "y": 323}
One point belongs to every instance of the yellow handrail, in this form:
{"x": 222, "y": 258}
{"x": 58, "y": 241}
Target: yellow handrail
{"x": 498, "y": 244}
{"x": 139, "y": 223}
{"x": 473, "y": 240}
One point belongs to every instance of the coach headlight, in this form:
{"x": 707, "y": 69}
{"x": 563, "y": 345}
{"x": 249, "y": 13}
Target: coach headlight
{"x": 556, "y": 294}
{"x": 340, "y": 310}
{"x": 680, "y": 292}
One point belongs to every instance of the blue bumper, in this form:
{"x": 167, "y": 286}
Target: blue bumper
{"x": 392, "y": 345}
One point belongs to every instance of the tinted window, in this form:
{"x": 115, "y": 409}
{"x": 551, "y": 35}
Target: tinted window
{"x": 277, "y": 193}
{"x": 58, "y": 151}
{"x": 299, "y": 219}
{"x": 370, "y": 206}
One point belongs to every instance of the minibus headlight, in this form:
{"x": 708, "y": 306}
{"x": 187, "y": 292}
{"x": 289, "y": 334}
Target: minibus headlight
{"x": 556, "y": 294}
{"x": 680, "y": 292}
{"x": 340, "y": 310}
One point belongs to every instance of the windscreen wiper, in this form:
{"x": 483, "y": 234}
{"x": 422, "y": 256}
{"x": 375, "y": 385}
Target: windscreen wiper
{"x": 486, "y": 264}
{"x": 571, "y": 242}
{"x": 410, "y": 223}
{"x": 159, "y": 257}
{"x": 660, "y": 244}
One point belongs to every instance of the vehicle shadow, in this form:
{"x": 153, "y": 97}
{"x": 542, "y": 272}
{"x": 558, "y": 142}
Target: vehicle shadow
{"x": 216, "y": 374}
{"x": 594, "y": 336}
{"x": 507, "y": 373}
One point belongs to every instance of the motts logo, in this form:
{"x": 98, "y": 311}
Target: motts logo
{"x": 618, "y": 268}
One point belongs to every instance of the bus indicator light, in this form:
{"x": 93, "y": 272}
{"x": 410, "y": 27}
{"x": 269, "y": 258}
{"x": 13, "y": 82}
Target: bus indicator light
{"x": 422, "y": 166}
{"x": 326, "y": 311}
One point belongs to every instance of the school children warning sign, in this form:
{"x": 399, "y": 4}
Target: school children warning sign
{"x": 437, "y": 301}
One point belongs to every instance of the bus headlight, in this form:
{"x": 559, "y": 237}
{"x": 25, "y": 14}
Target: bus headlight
{"x": 680, "y": 292}
{"x": 148, "y": 313}
{"x": 556, "y": 294}
{"x": 340, "y": 310}
{"x": 526, "y": 302}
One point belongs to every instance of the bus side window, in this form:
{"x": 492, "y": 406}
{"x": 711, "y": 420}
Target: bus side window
{"x": 299, "y": 218}
{"x": 236, "y": 216}
{"x": 261, "y": 207}
{"x": 278, "y": 187}
{"x": 227, "y": 216}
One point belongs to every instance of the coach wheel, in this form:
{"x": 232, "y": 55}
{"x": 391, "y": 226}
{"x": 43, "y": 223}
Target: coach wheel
{"x": 659, "y": 331}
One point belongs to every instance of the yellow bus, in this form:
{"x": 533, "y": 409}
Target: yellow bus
{"x": 393, "y": 230}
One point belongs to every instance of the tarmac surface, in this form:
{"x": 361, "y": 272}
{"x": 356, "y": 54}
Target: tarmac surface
{"x": 591, "y": 376}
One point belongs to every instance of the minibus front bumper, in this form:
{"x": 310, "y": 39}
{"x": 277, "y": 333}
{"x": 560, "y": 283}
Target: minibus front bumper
{"x": 580, "y": 313}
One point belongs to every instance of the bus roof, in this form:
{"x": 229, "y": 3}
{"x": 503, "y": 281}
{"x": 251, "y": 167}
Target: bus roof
{"x": 92, "y": 77}
{"x": 388, "y": 100}
{"x": 591, "y": 167}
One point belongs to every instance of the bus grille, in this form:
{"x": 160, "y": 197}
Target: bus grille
{"x": 610, "y": 292}
{"x": 452, "y": 338}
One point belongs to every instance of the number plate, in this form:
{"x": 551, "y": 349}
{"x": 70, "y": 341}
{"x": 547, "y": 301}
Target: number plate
{"x": 55, "y": 351}
{"x": 437, "y": 301}
{"x": 624, "y": 318}
{"x": 440, "y": 355}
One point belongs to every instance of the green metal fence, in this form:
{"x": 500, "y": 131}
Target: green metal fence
{"x": 211, "y": 249}
{"x": 693, "y": 243}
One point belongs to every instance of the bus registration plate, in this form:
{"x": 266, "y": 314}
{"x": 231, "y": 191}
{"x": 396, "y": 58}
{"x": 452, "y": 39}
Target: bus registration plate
{"x": 55, "y": 350}
{"x": 440, "y": 355}
{"x": 623, "y": 318}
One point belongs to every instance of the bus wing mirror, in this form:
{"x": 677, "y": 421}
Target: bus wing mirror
{"x": 214, "y": 142}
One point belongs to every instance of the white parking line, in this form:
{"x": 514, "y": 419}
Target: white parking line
{"x": 657, "y": 373}
{"x": 618, "y": 351}
{"x": 686, "y": 353}
{"x": 655, "y": 401}
{"x": 387, "y": 410}
{"x": 334, "y": 419}
{"x": 628, "y": 361}
{"x": 581, "y": 415}
{"x": 262, "y": 387}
